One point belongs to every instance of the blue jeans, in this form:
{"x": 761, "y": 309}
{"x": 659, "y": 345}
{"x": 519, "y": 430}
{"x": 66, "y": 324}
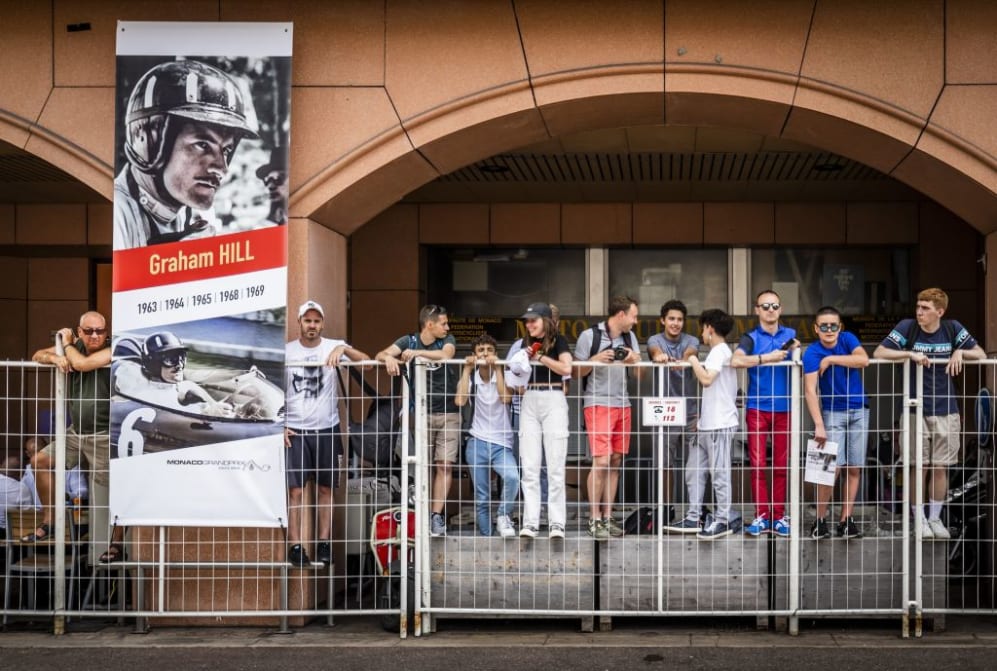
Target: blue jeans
{"x": 482, "y": 456}
{"x": 849, "y": 429}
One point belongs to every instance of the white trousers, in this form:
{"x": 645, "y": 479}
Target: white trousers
{"x": 543, "y": 430}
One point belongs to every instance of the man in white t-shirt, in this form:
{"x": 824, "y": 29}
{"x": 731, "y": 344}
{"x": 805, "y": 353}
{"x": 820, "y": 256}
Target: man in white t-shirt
{"x": 490, "y": 444}
{"x": 312, "y": 435}
{"x": 717, "y": 423}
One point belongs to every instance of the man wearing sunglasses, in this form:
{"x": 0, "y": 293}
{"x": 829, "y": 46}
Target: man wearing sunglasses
{"x": 159, "y": 377}
{"x": 86, "y": 358}
{"x": 928, "y": 340}
{"x": 841, "y": 413}
{"x": 434, "y": 344}
{"x": 767, "y": 414}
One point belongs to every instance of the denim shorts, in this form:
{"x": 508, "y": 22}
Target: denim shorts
{"x": 849, "y": 429}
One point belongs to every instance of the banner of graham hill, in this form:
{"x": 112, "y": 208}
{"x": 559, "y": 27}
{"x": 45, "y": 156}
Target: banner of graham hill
{"x": 200, "y": 273}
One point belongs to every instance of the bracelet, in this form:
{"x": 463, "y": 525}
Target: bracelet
{"x": 759, "y": 359}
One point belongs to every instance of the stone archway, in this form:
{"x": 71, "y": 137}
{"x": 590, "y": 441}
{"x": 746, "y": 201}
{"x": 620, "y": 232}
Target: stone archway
{"x": 931, "y": 157}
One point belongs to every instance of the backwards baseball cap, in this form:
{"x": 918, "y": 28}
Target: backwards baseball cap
{"x": 310, "y": 305}
{"x": 538, "y": 310}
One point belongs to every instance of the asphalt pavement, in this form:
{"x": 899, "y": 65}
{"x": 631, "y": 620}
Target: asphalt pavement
{"x": 969, "y": 642}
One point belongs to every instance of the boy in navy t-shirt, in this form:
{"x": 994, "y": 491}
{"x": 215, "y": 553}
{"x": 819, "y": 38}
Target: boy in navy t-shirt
{"x": 927, "y": 340}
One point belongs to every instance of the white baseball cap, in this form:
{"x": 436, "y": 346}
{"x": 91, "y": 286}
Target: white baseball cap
{"x": 310, "y": 305}
{"x": 518, "y": 369}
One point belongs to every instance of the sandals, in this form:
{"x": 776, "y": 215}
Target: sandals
{"x": 113, "y": 554}
{"x": 35, "y": 537}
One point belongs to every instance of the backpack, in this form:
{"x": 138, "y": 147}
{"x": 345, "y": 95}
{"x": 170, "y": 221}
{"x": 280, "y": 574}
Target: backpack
{"x": 641, "y": 522}
{"x": 467, "y": 412}
{"x": 597, "y": 343}
{"x": 373, "y": 440}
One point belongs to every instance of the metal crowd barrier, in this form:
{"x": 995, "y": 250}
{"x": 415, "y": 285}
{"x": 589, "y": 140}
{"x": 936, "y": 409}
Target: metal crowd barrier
{"x": 412, "y": 579}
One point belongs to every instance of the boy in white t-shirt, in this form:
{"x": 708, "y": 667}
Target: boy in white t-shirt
{"x": 717, "y": 423}
{"x": 489, "y": 447}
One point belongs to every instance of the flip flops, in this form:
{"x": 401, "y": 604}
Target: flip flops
{"x": 35, "y": 537}
{"x": 114, "y": 553}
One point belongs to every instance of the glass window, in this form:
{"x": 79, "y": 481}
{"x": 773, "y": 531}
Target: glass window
{"x": 855, "y": 280}
{"x": 697, "y": 277}
{"x": 501, "y": 283}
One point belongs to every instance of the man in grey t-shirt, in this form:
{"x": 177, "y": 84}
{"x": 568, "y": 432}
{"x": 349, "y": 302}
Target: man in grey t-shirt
{"x": 673, "y": 345}
{"x": 607, "y": 407}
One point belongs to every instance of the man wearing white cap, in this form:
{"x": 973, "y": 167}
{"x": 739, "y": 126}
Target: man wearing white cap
{"x": 312, "y": 435}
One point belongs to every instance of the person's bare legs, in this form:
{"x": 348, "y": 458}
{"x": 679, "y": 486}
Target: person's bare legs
{"x": 597, "y": 482}
{"x": 442, "y": 477}
{"x": 294, "y": 497}
{"x": 611, "y": 485}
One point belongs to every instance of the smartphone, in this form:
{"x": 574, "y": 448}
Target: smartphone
{"x": 788, "y": 344}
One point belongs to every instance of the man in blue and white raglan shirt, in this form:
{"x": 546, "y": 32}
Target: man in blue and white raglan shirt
{"x": 928, "y": 339}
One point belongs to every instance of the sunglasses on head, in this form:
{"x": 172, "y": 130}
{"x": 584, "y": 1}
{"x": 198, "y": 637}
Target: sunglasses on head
{"x": 828, "y": 328}
{"x": 435, "y": 310}
{"x": 91, "y": 332}
{"x": 174, "y": 360}
{"x": 768, "y": 306}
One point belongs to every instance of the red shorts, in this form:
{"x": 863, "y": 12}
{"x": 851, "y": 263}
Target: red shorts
{"x": 608, "y": 430}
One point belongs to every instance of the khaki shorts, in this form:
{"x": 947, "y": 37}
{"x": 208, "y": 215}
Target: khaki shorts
{"x": 94, "y": 447}
{"x": 444, "y": 436}
{"x": 941, "y": 439}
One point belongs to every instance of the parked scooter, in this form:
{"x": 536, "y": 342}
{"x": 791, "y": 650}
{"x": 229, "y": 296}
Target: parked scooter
{"x": 967, "y": 509}
{"x": 390, "y": 550}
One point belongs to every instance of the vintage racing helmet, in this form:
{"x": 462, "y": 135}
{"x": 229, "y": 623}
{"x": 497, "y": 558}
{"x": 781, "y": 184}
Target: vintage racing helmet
{"x": 162, "y": 349}
{"x": 187, "y": 89}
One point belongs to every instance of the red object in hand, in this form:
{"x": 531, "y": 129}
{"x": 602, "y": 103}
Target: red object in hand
{"x": 534, "y": 348}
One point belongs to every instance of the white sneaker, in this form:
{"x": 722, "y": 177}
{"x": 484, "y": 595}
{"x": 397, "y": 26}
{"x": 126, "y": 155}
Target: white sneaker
{"x": 556, "y": 530}
{"x": 528, "y": 532}
{"x": 505, "y": 527}
{"x": 926, "y": 532}
{"x": 939, "y": 530}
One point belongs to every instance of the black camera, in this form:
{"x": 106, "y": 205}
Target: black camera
{"x": 620, "y": 353}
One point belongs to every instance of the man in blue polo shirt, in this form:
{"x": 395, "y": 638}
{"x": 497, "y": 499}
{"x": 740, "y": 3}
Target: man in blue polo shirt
{"x": 767, "y": 414}
{"x": 840, "y": 414}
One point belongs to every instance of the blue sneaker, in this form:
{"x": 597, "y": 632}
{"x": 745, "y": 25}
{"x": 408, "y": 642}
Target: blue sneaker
{"x": 759, "y": 526}
{"x": 781, "y": 527}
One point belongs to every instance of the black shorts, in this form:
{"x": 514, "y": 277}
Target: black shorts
{"x": 314, "y": 454}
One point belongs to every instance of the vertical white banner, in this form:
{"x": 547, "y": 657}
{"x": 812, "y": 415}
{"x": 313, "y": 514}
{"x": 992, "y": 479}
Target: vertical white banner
{"x": 202, "y": 127}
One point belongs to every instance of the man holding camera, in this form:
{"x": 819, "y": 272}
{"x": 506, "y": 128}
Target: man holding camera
{"x": 607, "y": 407}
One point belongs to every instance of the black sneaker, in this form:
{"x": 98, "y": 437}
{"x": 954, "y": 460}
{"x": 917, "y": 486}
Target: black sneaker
{"x": 848, "y": 529}
{"x": 324, "y": 552}
{"x": 819, "y": 529}
{"x": 297, "y": 556}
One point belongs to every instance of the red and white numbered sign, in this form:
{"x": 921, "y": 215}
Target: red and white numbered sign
{"x": 664, "y": 412}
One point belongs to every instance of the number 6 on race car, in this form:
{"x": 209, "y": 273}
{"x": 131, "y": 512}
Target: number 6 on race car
{"x": 131, "y": 442}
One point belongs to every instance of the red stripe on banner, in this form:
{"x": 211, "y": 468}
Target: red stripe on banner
{"x": 203, "y": 259}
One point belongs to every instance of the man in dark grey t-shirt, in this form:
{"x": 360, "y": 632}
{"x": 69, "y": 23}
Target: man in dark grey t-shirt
{"x": 434, "y": 344}
{"x": 674, "y": 346}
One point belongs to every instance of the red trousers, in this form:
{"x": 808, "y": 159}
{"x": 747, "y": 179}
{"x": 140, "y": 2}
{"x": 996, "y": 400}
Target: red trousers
{"x": 761, "y": 426}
